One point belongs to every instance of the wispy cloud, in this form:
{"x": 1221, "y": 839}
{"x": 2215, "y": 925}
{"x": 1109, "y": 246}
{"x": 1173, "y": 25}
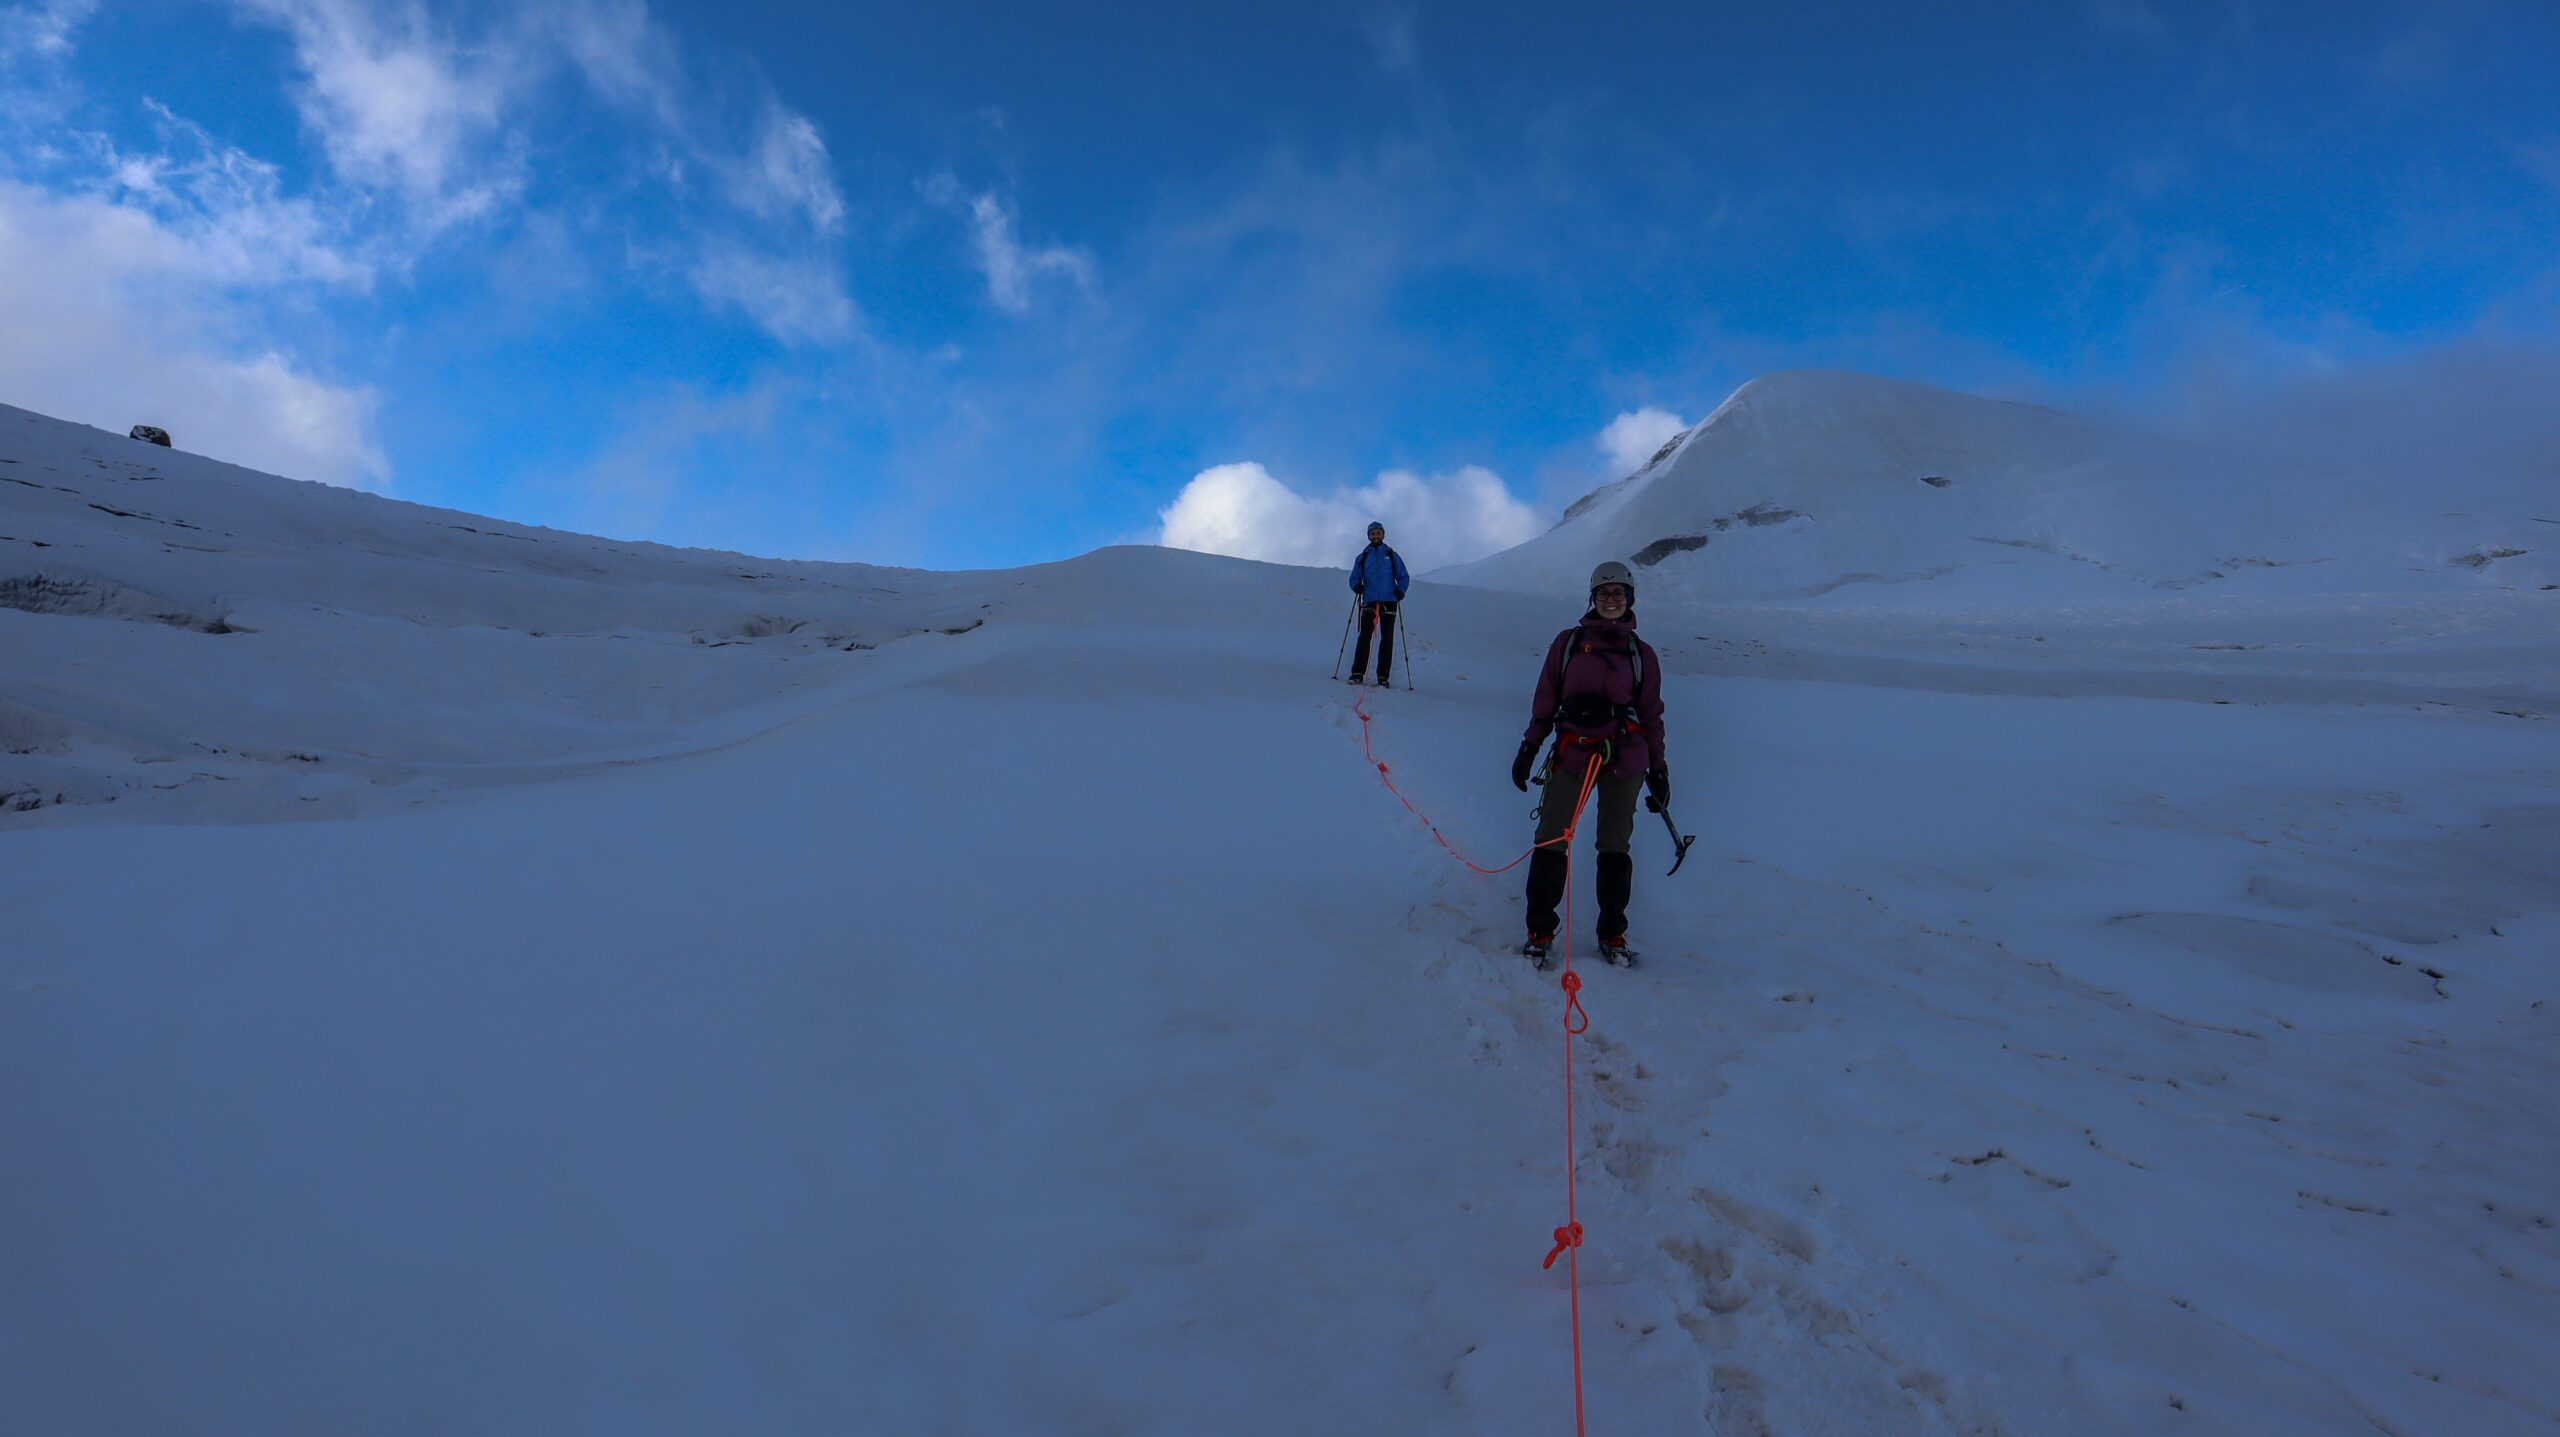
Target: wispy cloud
{"x": 1433, "y": 520}
{"x": 800, "y": 301}
{"x": 788, "y": 174}
{"x": 36, "y": 44}
{"x": 774, "y": 167}
{"x": 436, "y": 119}
{"x": 42, "y": 30}
{"x": 111, "y": 320}
{"x": 135, "y": 282}
{"x": 403, "y": 108}
{"x": 227, "y": 208}
{"x": 1012, "y": 268}
{"x": 171, "y": 272}
{"x": 624, "y": 56}
{"x": 775, "y": 170}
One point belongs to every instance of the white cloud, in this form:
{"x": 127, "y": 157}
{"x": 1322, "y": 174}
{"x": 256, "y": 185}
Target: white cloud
{"x": 406, "y": 108}
{"x": 133, "y": 284}
{"x": 788, "y": 172}
{"x": 400, "y": 107}
{"x": 1010, "y": 267}
{"x": 44, "y": 29}
{"x": 228, "y": 209}
{"x": 403, "y": 107}
{"x": 111, "y": 322}
{"x": 780, "y": 170}
{"x": 623, "y": 54}
{"x": 36, "y": 86}
{"x": 797, "y": 301}
{"x": 1633, "y": 438}
{"x": 1433, "y": 520}
{"x": 171, "y": 277}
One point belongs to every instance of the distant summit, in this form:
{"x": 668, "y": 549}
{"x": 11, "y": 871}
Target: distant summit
{"x": 1812, "y": 483}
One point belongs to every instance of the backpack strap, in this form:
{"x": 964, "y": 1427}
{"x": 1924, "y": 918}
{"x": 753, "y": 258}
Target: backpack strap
{"x": 1571, "y": 639}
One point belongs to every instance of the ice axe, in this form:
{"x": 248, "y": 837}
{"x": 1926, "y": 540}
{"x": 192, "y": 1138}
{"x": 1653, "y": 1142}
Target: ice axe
{"x": 1679, "y": 845}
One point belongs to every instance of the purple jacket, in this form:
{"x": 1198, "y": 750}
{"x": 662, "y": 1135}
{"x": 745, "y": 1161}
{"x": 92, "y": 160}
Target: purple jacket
{"x": 1600, "y": 656}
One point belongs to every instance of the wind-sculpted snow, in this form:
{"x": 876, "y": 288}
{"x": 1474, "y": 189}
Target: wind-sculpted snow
{"x": 737, "y": 996}
{"x": 58, "y": 593}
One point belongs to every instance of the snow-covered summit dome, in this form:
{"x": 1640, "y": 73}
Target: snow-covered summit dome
{"x": 1813, "y": 482}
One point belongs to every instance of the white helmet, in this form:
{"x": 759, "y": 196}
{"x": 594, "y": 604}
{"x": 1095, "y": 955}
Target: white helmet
{"x": 1614, "y": 572}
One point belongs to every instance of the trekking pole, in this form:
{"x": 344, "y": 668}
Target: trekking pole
{"x": 1406, "y": 624}
{"x": 1679, "y": 845}
{"x": 1345, "y": 646}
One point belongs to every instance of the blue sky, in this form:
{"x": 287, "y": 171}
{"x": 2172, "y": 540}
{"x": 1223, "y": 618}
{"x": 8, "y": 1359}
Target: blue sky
{"x": 969, "y": 284}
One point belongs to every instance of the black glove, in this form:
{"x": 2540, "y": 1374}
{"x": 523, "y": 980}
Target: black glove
{"x": 1520, "y": 765}
{"x": 1657, "y": 788}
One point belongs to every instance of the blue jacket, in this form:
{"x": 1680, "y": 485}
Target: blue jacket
{"x": 1378, "y": 575}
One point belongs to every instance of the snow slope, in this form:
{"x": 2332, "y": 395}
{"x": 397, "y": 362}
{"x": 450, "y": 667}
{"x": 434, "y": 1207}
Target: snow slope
{"x": 276, "y": 644}
{"x": 1810, "y": 484}
{"x": 2091, "y": 1019}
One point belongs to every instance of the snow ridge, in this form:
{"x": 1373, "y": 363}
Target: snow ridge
{"x": 1909, "y": 493}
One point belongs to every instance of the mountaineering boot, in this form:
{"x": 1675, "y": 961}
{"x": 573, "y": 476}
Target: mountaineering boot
{"x": 1546, "y": 889}
{"x": 1616, "y": 881}
{"x": 1537, "y": 949}
{"x": 1617, "y": 953}
{"x": 1357, "y": 680}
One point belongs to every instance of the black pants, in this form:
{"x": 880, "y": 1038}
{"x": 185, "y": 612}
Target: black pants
{"x": 1612, "y": 822}
{"x": 1380, "y": 617}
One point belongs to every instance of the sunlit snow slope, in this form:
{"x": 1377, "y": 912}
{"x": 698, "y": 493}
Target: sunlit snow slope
{"x": 464, "y": 978}
{"x": 1814, "y": 484}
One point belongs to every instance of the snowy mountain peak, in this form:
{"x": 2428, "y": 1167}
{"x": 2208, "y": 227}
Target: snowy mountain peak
{"x": 1809, "y": 483}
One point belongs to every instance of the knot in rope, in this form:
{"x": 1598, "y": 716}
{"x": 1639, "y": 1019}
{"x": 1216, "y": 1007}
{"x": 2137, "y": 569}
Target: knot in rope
{"x": 1569, "y": 1235}
{"x": 1575, "y": 1020}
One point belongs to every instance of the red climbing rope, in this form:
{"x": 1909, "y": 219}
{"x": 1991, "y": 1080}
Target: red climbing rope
{"x": 1568, "y": 1238}
{"x": 1360, "y": 706}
